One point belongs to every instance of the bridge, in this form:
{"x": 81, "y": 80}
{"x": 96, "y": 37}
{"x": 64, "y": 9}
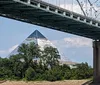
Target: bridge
{"x": 54, "y": 17}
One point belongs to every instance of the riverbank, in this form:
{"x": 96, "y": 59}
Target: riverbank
{"x": 65, "y": 82}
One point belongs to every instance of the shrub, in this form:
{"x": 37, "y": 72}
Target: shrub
{"x": 51, "y": 78}
{"x": 30, "y": 74}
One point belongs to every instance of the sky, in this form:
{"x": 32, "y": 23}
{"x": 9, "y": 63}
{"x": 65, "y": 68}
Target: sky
{"x": 71, "y": 47}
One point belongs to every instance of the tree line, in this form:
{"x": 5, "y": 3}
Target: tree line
{"x": 32, "y": 63}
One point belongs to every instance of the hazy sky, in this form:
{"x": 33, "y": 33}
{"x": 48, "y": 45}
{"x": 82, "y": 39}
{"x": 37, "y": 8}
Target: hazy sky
{"x": 74, "y": 48}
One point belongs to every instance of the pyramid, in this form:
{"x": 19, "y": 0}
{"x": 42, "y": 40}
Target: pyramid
{"x": 36, "y": 34}
{"x": 41, "y": 41}
{"x": 37, "y": 38}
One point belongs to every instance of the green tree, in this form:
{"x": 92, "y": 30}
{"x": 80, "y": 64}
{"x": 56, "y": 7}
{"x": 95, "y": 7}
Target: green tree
{"x": 50, "y": 57}
{"x": 5, "y": 71}
{"x": 30, "y": 74}
{"x": 66, "y": 71}
{"x": 28, "y": 52}
{"x": 23, "y": 65}
{"x": 83, "y": 71}
{"x": 25, "y": 59}
{"x": 17, "y": 66}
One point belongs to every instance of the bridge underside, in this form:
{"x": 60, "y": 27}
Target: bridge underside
{"x": 48, "y": 17}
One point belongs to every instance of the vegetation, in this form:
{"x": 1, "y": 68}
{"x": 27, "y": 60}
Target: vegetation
{"x": 34, "y": 64}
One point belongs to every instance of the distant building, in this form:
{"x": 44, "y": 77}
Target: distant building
{"x": 69, "y": 63}
{"x": 41, "y": 41}
{"x": 37, "y": 38}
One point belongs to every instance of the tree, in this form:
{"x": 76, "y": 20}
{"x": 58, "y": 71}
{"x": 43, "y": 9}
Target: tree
{"x": 5, "y": 71}
{"x": 17, "y": 66}
{"x": 25, "y": 59}
{"x": 83, "y": 71}
{"x": 50, "y": 57}
{"x": 28, "y": 52}
{"x": 66, "y": 71}
{"x": 22, "y": 65}
{"x": 30, "y": 74}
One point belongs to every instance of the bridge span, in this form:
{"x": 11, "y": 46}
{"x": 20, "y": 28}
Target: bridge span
{"x": 47, "y": 15}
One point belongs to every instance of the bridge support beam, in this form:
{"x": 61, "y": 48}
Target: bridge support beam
{"x": 96, "y": 62}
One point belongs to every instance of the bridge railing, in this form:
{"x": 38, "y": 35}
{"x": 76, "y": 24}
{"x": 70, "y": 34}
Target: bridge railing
{"x": 71, "y": 5}
{"x": 90, "y": 10}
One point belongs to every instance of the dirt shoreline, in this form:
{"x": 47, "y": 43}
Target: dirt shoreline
{"x": 65, "y": 82}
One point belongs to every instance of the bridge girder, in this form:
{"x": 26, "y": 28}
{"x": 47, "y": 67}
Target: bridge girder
{"x": 47, "y": 15}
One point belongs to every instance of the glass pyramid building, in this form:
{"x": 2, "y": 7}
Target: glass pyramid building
{"x": 37, "y": 38}
{"x": 41, "y": 41}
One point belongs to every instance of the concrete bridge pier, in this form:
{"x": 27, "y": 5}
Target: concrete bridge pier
{"x": 96, "y": 62}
